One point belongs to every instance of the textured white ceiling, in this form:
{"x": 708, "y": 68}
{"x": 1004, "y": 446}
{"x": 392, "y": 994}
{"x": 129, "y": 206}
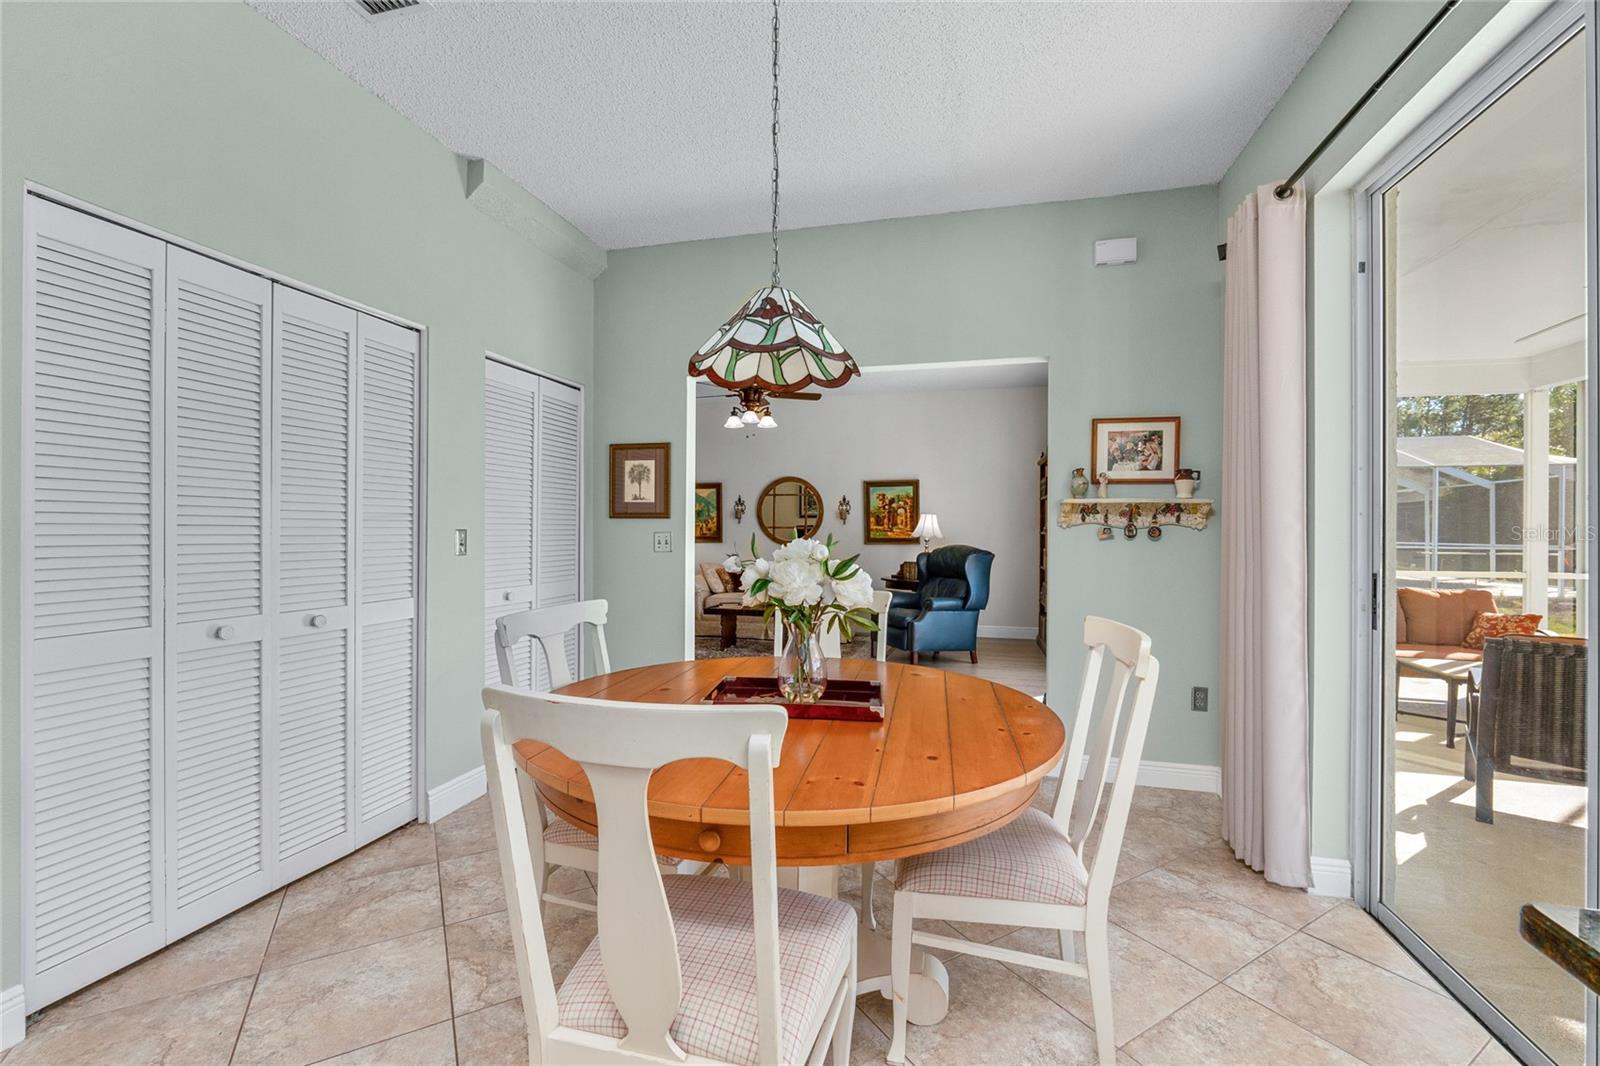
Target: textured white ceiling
{"x": 1490, "y": 233}
{"x": 646, "y": 123}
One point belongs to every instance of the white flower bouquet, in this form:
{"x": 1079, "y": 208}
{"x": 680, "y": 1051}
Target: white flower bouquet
{"x": 810, "y": 592}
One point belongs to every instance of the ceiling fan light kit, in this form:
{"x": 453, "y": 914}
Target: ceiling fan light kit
{"x": 773, "y": 346}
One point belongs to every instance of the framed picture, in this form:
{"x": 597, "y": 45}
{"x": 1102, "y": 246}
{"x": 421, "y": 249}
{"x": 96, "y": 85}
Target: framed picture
{"x": 641, "y": 480}
{"x": 708, "y": 512}
{"x": 891, "y": 511}
{"x": 1135, "y": 450}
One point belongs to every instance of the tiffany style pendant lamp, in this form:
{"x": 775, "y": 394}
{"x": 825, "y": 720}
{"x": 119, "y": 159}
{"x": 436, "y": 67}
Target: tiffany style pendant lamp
{"x": 773, "y": 345}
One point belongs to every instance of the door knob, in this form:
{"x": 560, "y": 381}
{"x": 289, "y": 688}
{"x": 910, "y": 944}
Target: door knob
{"x": 224, "y": 633}
{"x": 319, "y": 620}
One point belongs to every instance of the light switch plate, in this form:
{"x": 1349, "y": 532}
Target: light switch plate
{"x": 461, "y": 542}
{"x": 663, "y": 542}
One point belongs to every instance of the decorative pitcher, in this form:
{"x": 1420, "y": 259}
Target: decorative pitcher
{"x": 1186, "y": 481}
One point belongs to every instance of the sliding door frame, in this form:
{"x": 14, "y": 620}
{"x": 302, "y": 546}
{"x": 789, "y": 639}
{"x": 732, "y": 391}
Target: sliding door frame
{"x": 1498, "y": 76}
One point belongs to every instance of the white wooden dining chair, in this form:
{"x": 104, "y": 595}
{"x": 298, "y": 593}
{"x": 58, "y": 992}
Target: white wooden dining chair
{"x": 548, "y": 628}
{"x": 881, "y": 599}
{"x": 558, "y": 842}
{"x": 1033, "y": 872}
{"x": 696, "y": 968}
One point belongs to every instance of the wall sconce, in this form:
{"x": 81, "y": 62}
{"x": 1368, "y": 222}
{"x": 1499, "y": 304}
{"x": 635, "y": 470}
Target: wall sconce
{"x": 844, "y": 508}
{"x": 738, "y": 509}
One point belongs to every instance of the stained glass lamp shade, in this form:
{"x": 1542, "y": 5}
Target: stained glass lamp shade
{"x": 776, "y": 344}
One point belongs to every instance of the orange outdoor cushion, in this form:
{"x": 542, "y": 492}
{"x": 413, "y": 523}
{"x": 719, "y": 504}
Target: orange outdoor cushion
{"x": 1441, "y": 652}
{"x": 1442, "y": 617}
{"x": 1400, "y": 636}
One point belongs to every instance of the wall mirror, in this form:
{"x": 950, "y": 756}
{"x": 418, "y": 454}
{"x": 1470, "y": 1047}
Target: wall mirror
{"x": 789, "y": 507}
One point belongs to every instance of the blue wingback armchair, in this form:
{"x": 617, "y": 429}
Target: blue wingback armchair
{"x": 942, "y": 615}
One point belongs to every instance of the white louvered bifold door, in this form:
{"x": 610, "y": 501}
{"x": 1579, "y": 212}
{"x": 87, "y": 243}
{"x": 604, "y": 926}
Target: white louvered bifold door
{"x": 510, "y": 443}
{"x": 218, "y": 604}
{"x": 559, "y": 535}
{"x": 314, "y": 473}
{"x": 92, "y": 754}
{"x": 386, "y": 615}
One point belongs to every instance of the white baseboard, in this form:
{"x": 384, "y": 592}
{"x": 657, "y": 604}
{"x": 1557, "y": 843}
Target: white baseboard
{"x": 1009, "y": 632}
{"x": 13, "y": 1017}
{"x": 1189, "y": 777}
{"x": 1331, "y": 877}
{"x": 456, "y": 793}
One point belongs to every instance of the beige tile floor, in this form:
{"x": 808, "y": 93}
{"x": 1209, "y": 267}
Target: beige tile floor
{"x": 1461, "y": 883}
{"x": 400, "y": 954}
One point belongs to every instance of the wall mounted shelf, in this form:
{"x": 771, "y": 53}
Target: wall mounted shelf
{"x": 1118, "y": 511}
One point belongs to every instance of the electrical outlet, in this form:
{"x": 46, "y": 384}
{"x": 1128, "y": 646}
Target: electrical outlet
{"x": 663, "y": 542}
{"x": 1200, "y": 699}
{"x": 461, "y": 542}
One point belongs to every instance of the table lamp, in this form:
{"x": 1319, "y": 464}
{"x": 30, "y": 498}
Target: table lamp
{"x": 927, "y": 529}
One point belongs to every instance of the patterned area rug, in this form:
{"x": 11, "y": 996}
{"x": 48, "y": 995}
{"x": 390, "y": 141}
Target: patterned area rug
{"x": 711, "y": 648}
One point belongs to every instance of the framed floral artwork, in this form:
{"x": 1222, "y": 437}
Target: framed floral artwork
{"x": 1135, "y": 450}
{"x": 641, "y": 480}
{"x": 708, "y": 512}
{"x": 890, "y": 511}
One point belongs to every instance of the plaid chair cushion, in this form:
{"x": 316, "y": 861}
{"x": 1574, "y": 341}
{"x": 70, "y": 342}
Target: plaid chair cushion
{"x": 561, "y": 831}
{"x": 715, "y": 927}
{"x": 1029, "y": 861}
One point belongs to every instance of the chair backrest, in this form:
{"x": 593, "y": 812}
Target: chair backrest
{"x": 956, "y": 571}
{"x": 548, "y": 627}
{"x": 1130, "y": 691}
{"x": 638, "y": 948}
{"x": 1531, "y": 700}
{"x": 1427, "y": 616}
{"x": 831, "y": 647}
{"x": 881, "y": 599}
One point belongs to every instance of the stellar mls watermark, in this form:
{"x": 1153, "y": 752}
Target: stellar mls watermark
{"x": 1552, "y": 534}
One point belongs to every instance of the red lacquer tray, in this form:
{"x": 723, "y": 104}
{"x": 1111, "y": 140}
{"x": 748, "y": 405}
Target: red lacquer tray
{"x": 842, "y": 700}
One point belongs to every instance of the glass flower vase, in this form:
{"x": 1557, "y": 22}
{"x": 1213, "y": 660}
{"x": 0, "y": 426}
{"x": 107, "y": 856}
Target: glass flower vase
{"x": 802, "y": 668}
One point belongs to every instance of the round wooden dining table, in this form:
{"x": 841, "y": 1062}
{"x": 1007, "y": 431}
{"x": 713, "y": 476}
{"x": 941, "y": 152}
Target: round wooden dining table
{"x": 955, "y": 757}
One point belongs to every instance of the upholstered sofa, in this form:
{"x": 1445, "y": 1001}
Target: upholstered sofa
{"x": 751, "y": 627}
{"x": 1431, "y": 625}
{"x": 942, "y": 614}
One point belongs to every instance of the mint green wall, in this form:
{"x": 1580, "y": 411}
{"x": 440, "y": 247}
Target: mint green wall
{"x": 1143, "y": 339}
{"x": 208, "y": 122}
{"x": 1361, "y": 44}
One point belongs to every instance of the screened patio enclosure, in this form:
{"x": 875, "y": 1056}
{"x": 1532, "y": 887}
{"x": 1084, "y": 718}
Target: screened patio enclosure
{"x": 1466, "y": 516}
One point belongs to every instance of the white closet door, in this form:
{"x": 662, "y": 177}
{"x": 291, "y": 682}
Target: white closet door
{"x": 218, "y": 593}
{"x": 386, "y": 688}
{"x": 560, "y": 501}
{"x": 92, "y": 565}
{"x": 510, "y": 494}
{"x": 315, "y": 368}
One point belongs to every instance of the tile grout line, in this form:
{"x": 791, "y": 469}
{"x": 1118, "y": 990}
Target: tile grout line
{"x": 444, "y": 933}
{"x": 249, "y": 1000}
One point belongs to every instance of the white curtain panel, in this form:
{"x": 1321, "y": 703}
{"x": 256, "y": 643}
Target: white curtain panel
{"x": 1265, "y": 737}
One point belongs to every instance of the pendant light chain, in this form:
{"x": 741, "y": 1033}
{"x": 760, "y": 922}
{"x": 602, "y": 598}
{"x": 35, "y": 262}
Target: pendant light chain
{"x": 775, "y": 144}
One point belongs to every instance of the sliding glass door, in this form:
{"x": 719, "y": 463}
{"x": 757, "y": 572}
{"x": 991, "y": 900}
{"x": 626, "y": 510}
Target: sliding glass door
{"x": 1478, "y": 265}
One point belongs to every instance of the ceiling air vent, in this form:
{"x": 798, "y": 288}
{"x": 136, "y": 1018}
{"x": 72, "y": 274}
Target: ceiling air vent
{"x": 374, "y": 9}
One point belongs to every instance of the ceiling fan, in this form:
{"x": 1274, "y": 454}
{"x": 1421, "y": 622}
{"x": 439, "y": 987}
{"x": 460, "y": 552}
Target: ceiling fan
{"x": 751, "y": 406}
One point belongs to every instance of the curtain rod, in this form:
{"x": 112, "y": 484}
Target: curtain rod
{"x": 1286, "y": 190}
